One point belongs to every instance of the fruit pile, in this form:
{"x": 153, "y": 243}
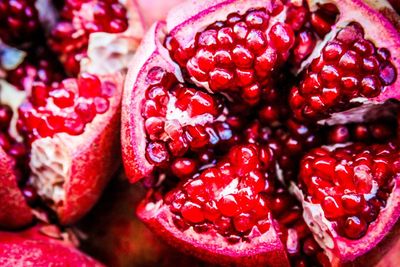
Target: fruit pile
{"x": 256, "y": 133}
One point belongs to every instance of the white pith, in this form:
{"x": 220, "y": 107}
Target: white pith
{"x": 12, "y": 97}
{"x": 314, "y": 217}
{"x": 10, "y": 57}
{"x": 108, "y": 53}
{"x": 50, "y": 163}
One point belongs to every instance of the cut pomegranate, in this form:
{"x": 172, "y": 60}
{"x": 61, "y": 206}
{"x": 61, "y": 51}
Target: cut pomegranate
{"x": 40, "y": 246}
{"x": 69, "y": 128}
{"x": 351, "y": 73}
{"x": 222, "y": 214}
{"x": 113, "y": 29}
{"x": 221, "y": 81}
{"x": 350, "y": 194}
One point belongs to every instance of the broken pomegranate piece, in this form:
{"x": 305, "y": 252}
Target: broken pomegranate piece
{"x": 349, "y": 194}
{"x": 105, "y": 22}
{"x": 349, "y": 71}
{"x": 222, "y": 213}
{"x": 221, "y": 77}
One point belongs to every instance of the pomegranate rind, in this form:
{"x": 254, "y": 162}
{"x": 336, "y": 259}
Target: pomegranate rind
{"x": 93, "y": 158}
{"x": 263, "y": 250}
{"x": 30, "y": 248}
{"x": 14, "y": 211}
{"x": 133, "y": 138}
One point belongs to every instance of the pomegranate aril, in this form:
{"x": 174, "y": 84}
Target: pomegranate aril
{"x": 157, "y": 153}
{"x": 355, "y": 227}
{"x": 243, "y": 222}
{"x": 228, "y": 206}
{"x": 62, "y": 98}
{"x": 89, "y": 85}
{"x": 282, "y": 36}
{"x": 192, "y": 212}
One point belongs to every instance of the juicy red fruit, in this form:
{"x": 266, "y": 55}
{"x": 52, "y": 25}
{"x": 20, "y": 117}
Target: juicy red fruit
{"x": 63, "y": 107}
{"x": 235, "y": 55}
{"x": 70, "y": 37}
{"x": 351, "y": 183}
{"x": 349, "y": 67}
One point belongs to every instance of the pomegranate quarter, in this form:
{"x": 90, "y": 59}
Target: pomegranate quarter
{"x": 62, "y": 70}
{"x": 265, "y": 132}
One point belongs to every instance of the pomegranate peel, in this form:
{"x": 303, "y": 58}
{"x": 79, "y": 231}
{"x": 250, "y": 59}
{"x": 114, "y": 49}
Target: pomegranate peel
{"x": 79, "y": 167}
{"x": 16, "y": 213}
{"x": 151, "y": 53}
{"x": 33, "y": 247}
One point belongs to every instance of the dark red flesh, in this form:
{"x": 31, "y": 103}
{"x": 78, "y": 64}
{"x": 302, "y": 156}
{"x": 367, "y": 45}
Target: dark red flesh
{"x": 351, "y": 183}
{"x": 349, "y": 66}
{"x": 70, "y": 37}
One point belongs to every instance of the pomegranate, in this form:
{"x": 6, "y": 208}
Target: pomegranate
{"x": 226, "y": 101}
{"x": 350, "y": 197}
{"x": 41, "y": 246}
{"x": 60, "y": 134}
{"x": 90, "y": 32}
{"x": 329, "y": 88}
{"x": 68, "y": 129}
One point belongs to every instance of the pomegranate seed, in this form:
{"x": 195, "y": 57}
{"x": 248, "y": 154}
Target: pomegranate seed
{"x": 192, "y": 212}
{"x": 157, "y": 153}
{"x": 243, "y": 222}
{"x": 355, "y": 227}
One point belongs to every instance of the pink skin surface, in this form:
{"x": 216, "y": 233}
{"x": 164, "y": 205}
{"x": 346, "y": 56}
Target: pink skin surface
{"x": 16, "y": 213}
{"x": 156, "y": 9}
{"x": 32, "y": 248}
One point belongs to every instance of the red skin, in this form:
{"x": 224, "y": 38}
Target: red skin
{"x": 16, "y": 213}
{"x": 120, "y": 238}
{"x": 32, "y": 248}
